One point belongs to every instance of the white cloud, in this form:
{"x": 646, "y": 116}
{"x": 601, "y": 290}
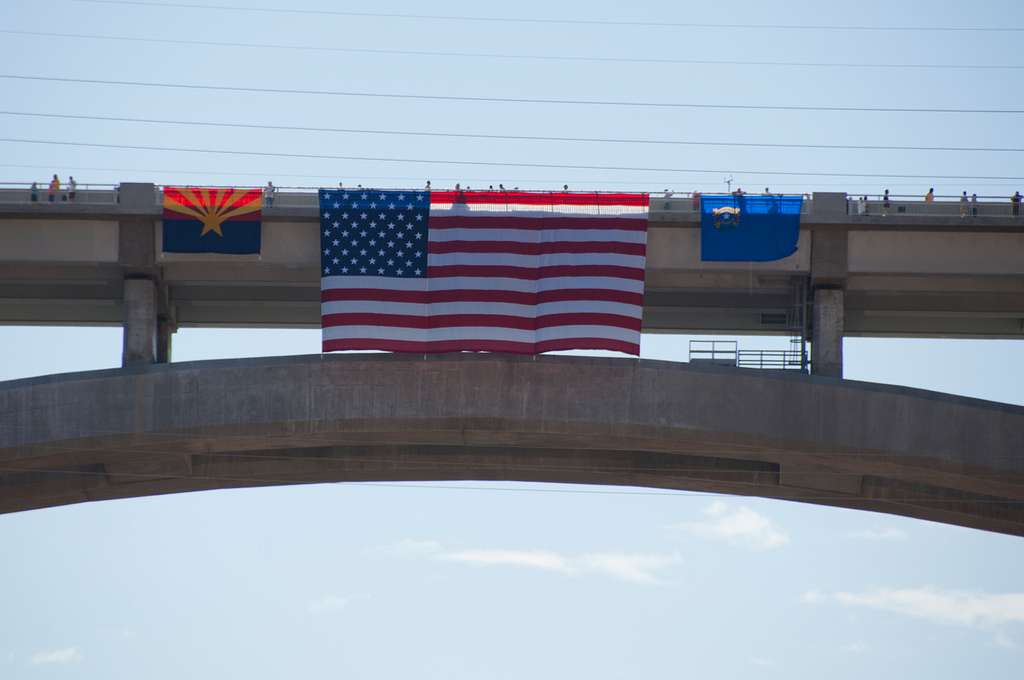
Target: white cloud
{"x": 629, "y": 567}
{"x": 535, "y": 559}
{"x": 812, "y": 597}
{"x": 328, "y": 603}
{"x": 887, "y": 534}
{"x": 1004, "y": 641}
{"x": 413, "y": 548}
{"x": 739, "y": 526}
{"x": 632, "y": 567}
{"x": 951, "y": 607}
{"x": 56, "y": 656}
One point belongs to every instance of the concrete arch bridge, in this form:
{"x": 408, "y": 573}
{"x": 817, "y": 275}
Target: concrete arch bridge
{"x": 157, "y": 429}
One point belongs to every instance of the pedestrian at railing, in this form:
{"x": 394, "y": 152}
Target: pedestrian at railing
{"x": 34, "y": 193}
{"x": 974, "y": 205}
{"x": 268, "y": 195}
{"x": 72, "y": 188}
{"x": 53, "y": 189}
{"x": 862, "y": 205}
{"x": 1015, "y": 204}
{"x": 930, "y": 196}
{"x": 963, "y": 205}
{"x": 885, "y": 203}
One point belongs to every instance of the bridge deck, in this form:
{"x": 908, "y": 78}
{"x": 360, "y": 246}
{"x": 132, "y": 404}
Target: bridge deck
{"x": 921, "y": 270}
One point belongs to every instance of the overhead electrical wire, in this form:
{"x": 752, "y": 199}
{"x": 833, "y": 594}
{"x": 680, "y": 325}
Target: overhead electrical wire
{"x": 509, "y": 56}
{"x": 517, "y": 100}
{"x": 538, "y": 138}
{"x": 890, "y": 28}
{"x": 504, "y": 164}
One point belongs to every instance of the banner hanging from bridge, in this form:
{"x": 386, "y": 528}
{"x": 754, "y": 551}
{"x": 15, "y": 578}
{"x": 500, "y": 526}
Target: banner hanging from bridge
{"x": 202, "y": 220}
{"x": 446, "y": 271}
{"x": 744, "y": 228}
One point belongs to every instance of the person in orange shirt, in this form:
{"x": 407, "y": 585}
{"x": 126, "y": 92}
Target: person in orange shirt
{"x": 54, "y": 188}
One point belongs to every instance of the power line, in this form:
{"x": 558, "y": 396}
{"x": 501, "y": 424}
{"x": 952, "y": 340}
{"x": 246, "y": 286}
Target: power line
{"x": 554, "y": 21}
{"x": 538, "y": 138}
{"x": 513, "y": 100}
{"x": 505, "y": 164}
{"x": 509, "y": 56}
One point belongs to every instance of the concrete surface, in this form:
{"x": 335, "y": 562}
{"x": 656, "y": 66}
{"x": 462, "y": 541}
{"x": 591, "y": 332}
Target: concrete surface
{"x": 924, "y": 272}
{"x": 159, "y": 429}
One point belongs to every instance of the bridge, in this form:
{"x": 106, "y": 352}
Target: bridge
{"x": 921, "y": 270}
{"x": 160, "y": 429}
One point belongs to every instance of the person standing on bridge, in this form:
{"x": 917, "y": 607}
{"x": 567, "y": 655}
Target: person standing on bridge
{"x": 885, "y": 203}
{"x": 34, "y": 192}
{"x": 930, "y": 196}
{"x": 53, "y": 189}
{"x": 72, "y": 188}
{"x": 963, "y": 205}
{"x": 268, "y": 195}
{"x": 1015, "y": 203}
{"x": 974, "y": 205}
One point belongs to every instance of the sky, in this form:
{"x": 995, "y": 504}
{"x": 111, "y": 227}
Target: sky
{"x": 508, "y": 580}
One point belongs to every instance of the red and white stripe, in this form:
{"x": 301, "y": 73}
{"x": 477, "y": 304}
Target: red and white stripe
{"x": 522, "y": 272}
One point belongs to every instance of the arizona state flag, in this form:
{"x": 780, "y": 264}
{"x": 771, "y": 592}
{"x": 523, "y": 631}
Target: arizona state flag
{"x": 200, "y": 220}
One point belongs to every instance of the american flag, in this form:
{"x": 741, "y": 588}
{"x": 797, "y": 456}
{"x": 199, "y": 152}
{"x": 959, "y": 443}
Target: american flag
{"x": 445, "y": 271}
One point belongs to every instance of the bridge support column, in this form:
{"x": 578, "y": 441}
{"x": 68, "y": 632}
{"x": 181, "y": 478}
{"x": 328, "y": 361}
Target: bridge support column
{"x": 140, "y": 325}
{"x": 829, "y": 269}
{"x": 827, "y": 337}
{"x": 165, "y": 330}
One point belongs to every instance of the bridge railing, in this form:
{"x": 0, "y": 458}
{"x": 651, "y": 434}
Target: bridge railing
{"x": 718, "y": 352}
{"x": 89, "y": 194}
{"x": 727, "y": 353}
{"x": 947, "y": 207}
{"x": 771, "y": 359}
{"x": 661, "y": 202}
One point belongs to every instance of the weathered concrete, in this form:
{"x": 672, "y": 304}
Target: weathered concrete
{"x": 205, "y": 425}
{"x": 827, "y": 333}
{"x": 920, "y": 271}
{"x": 164, "y": 339}
{"x": 140, "y": 323}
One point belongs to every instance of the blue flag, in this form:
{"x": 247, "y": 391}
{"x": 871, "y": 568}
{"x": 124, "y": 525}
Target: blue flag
{"x": 742, "y": 228}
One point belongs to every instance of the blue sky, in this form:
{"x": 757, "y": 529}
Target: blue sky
{"x": 514, "y": 580}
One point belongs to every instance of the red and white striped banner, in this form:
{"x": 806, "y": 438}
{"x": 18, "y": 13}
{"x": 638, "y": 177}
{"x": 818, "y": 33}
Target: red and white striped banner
{"x": 522, "y": 272}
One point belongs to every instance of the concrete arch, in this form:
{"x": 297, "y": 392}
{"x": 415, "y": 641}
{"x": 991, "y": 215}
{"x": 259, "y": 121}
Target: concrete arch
{"x": 325, "y": 418}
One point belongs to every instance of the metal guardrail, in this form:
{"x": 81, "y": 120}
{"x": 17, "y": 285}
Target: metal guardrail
{"x": 667, "y": 202}
{"x": 727, "y": 353}
{"x": 718, "y": 352}
{"x": 776, "y": 359}
{"x": 88, "y": 194}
